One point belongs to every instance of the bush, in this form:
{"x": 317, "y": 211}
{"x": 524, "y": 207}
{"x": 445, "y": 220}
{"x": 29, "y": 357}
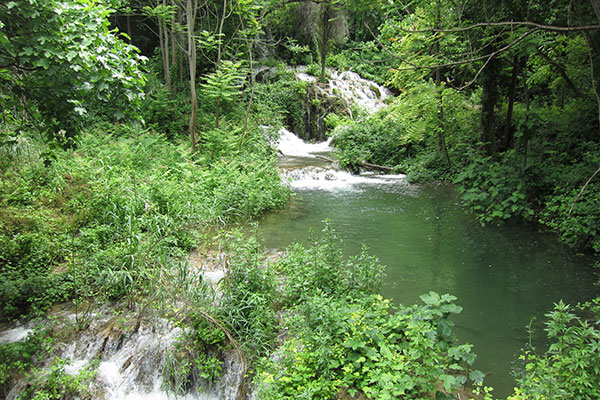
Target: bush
{"x": 569, "y": 369}
{"x": 495, "y": 189}
{"x": 345, "y": 340}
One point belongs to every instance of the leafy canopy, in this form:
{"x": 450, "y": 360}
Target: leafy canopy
{"x": 56, "y": 56}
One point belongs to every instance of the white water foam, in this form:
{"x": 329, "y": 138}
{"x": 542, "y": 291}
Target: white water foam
{"x": 352, "y": 88}
{"x": 317, "y": 178}
{"x": 291, "y": 145}
{"x": 131, "y": 360}
{"x": 14, "y": 335}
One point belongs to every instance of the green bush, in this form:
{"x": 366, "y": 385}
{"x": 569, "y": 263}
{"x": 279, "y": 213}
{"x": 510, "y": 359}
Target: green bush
{"x": 345, "y": 340}
{"x": 569, "y": 369}
{"x": 366, "y": 347}
{"x": 495, "y": 189}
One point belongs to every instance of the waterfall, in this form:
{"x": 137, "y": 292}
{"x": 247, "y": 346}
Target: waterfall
{"x": 289, "y": 144}
{"x": 351, "y": 87}
{"x": 131, "y": 355}
{"x": 297, "y": 163}
{"x": 14, "y": 335}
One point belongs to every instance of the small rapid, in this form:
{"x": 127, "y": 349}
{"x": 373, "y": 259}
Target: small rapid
{"x": 297, "y": 155}
{"x": 129, "y": 355}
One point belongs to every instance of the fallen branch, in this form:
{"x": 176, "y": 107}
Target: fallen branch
{"x": 365, "y": 164}
{"x": 331, "y": 160}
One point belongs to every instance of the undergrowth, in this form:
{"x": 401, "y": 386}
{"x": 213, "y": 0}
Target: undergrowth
{"x": 100, "y": 221}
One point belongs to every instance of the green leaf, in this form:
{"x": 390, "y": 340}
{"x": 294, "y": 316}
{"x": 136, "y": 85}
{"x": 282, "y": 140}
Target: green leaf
{"x": 476, "y": 376}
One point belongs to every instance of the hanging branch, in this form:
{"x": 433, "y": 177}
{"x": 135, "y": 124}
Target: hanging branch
{"x": 534, "y": 25}
{"x": 486, "y": 57}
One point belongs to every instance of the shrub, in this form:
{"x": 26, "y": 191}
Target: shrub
{"x": 569, "y": 369}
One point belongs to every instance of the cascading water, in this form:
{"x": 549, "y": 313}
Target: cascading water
{"x": 131, "y": 356}
{"x": 298, "y": 157}
{"x": 351, "y": 87}
{"x": 506, "y": 277}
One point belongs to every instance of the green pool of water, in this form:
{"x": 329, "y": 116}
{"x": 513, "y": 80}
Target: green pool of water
{"x": 503, "y": 276}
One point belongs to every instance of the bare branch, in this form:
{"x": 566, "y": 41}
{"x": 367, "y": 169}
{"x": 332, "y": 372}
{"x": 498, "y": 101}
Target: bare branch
{"x": 471, "y": 60}
{"x": 542, "y": 27}
{"x": 582, "y": 190}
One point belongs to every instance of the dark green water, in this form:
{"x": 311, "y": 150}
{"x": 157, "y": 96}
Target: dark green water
{"x": 502, "y": 275}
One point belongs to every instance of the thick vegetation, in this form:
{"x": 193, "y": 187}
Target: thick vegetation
{"x": 114, "y": 166}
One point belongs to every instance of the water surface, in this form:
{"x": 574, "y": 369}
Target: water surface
{"x": 503, "y": 276}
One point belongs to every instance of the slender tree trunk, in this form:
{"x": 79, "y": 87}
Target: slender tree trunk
{"x": 326, "y": 14}
{"x": 250, "y": 45}
{"x": 190, "y": 14}
{"x": 508, "y": 136}
{"x": 438, "y": 83}
{"x": 594, "y": 57}
{"x": 526, "y": 134}
{"x": 596, "y": 5}
{"x": 219, "y": 55}
{"x": 180, "y": 56}
{"x": 163, "y": 32}
{"x": 128, "y": 18}
{"x": 489, "y": 98}
{"x": 173, "y": 49}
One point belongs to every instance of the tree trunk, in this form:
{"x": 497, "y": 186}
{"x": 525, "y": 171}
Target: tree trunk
{"x": 190, "y": 14}
{"x": 489, "y": 98}
{"x": 526, "y": 134}
{"x": 163, "y": 32}
{"x": 173, "y": 49}
{"x": 128, "y": 17}
{"x": 596, "y": 5}
{"x": 250, "y": 45}
{"x": 180, "y": 56}
{"x": 326, "y": 15}
{"x": 438, "y": 83}
{"x": 219, "y": 55}
{"x": 508, "y": 137}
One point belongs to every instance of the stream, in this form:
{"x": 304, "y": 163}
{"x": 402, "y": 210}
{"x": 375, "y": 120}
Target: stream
{"x": 505, "y": 277}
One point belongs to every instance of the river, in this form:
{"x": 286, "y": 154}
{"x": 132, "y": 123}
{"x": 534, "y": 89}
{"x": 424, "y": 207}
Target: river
{"x": 506, "y": 277}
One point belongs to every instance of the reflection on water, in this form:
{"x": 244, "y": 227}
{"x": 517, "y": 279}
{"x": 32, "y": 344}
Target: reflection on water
{"x": 502, "y": 275}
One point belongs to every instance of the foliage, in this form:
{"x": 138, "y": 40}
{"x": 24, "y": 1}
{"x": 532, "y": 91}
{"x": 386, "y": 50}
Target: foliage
{"x": 359, "y": 347}
{"x": 225, "y": 84}
{"x": 46, "y": 379}
{"x": 163, "y": 112}
{"x": 248, "y": 302}
{"x": 280, "y": 101}
{"x": 322, "y": 271}
{"x": 343, "y": 338}
{"x": 495, "y": 190}
{"x": 404, "y": 133}
{"x": 569, "y": 369}
{"x": 57, "y": 56}
{"x": 110, "y": 214}
{"x": 196, "y": 356}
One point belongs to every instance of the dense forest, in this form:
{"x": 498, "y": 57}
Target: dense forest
{"x": 136, "y": 132}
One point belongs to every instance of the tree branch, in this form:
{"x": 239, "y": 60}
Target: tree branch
{"x": 486, "y": 57}
{"x": 542, "y": 27}
{"x": 582, "y": 190}
{"x": 562, "y": 73}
